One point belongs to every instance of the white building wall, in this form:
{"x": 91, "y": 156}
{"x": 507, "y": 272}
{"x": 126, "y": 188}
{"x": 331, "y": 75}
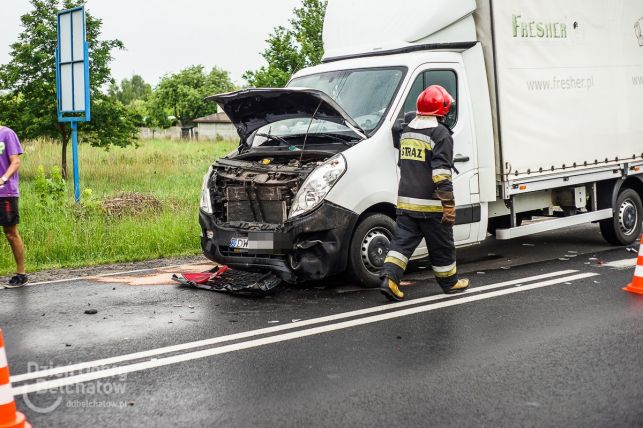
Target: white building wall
{"x": 209, "y": 131}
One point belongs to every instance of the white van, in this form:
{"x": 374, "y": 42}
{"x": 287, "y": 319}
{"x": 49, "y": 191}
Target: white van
{"x": 548, "y": 123}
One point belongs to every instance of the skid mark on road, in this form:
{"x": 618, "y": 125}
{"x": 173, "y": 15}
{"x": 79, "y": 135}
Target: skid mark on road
{"x": 444, "y": 302}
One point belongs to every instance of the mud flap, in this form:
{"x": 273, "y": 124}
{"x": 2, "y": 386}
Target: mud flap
{"x": 234, "y": 281}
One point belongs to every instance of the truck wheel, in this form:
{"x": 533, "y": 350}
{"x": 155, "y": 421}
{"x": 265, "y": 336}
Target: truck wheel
{"x": 368, "y": 249}
{"x": 625, "y": 226}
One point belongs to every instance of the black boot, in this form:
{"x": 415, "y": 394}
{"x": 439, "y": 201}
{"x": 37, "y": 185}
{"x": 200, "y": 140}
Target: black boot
{"x": 391, "y": 290}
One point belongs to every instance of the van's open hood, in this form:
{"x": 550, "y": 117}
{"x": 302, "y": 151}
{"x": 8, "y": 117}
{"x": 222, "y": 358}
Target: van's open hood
{"x": 250, "y": 109}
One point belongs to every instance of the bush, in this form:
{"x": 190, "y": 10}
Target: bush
{"x": 51, "y": 190}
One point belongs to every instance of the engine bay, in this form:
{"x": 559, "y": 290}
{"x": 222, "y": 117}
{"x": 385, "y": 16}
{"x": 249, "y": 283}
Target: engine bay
{"x": 256, "y": 190}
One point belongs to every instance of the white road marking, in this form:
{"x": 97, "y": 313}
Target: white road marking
{"x": 244, "y": 335}
{"x": 80, "y": 278}
{"x": 145, "y": 365}
{"x": 622, "y": 264}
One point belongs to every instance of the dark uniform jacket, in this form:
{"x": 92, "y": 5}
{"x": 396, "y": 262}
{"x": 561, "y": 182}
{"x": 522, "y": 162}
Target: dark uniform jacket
{"x": 426, "y": 160}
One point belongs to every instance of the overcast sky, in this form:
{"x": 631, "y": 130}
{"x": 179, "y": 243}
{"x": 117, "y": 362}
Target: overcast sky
{"x": 164, "y": 36}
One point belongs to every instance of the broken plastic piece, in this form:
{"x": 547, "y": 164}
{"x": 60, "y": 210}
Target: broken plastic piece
{"x": 235, "y": 281}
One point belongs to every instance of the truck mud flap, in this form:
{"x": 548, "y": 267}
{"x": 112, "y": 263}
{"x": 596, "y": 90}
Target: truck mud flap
{"x": 227, "y": 280}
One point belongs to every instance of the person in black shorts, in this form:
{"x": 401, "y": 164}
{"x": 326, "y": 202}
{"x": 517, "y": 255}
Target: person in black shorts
{"x": 10, "y": 151}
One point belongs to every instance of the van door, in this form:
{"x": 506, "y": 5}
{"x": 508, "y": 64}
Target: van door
{"x": 465, "y": 181}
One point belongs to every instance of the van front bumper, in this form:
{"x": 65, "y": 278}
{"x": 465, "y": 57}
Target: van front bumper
{"x": 309, "y": 247}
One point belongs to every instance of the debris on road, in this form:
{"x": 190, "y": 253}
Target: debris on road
{"x": 234, "y": 281}
{"x": 91, "y": 311}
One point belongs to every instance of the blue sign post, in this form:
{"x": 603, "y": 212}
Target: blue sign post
{"x": 72, "y": 78}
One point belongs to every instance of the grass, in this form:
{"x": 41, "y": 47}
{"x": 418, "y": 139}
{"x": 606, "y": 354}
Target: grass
{"x": 171, "y": 171}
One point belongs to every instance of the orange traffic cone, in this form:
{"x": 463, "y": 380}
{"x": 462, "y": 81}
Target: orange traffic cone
{"x": 636, "y": 286}
{"x": 9, "y": 416}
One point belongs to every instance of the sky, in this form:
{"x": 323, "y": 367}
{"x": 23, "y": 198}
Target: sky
{"x": 164, "y": 36}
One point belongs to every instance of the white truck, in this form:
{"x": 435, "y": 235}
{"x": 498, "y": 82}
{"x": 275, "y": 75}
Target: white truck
{"x": 548, "y": 123}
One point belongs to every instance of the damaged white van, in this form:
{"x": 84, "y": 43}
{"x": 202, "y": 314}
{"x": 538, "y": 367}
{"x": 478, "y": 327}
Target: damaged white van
{"x": 547, "y": 123}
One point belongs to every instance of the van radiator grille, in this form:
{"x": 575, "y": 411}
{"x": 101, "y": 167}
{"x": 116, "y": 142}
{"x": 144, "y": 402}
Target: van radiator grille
{"x": 265, "y": 204}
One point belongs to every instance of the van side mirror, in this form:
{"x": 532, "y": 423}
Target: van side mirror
{"x": 397, "y": 129}
{"x": 409, "y": 116}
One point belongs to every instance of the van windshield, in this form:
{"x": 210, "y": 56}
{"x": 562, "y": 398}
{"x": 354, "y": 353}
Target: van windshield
{"x": 364, "y": 94}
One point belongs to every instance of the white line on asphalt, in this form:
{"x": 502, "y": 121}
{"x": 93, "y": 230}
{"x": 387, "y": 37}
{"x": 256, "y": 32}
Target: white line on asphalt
{"x": 244, "y": 335}
{"x": 102, "y": 275}
{"x": 145, "y": 365}
{"x": 622, "y": 264}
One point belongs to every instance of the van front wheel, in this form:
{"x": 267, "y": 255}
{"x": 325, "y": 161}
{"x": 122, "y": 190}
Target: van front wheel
{"x": 369, "y": 246}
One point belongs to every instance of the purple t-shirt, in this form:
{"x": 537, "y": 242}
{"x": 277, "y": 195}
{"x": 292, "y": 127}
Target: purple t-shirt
{"x": 9, "y": 146}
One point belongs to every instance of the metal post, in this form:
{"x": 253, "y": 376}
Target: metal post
{"x": 74, "y": 152}
{"x": 513, "y": 218}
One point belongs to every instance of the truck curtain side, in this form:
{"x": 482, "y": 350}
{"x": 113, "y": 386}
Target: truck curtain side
{"x": 564, "y": 79}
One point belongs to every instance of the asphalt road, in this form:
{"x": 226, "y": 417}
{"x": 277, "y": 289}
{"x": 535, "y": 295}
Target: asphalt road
{"x": 545, "y": 337}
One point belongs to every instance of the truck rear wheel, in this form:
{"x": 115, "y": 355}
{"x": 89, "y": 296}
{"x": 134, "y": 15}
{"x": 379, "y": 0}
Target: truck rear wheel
{"x": 369, "y": 246}
{"x": 625, "y": 226}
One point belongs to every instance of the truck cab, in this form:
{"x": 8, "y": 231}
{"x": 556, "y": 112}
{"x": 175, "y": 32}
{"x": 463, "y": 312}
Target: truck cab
{"x": 350, "y": 225}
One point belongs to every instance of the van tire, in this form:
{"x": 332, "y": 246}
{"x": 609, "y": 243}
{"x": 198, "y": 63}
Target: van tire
{"x": 624, "y": 228}
{"x": 368, "y": 249}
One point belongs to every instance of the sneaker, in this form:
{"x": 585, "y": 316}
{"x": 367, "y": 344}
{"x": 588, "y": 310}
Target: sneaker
{"x": 391, "y": 291}
{"x": 458, "y": 287}
{"x": 18, "y": 280}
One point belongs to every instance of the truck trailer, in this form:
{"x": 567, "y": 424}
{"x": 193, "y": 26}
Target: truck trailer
{"x": 547, "y": 125}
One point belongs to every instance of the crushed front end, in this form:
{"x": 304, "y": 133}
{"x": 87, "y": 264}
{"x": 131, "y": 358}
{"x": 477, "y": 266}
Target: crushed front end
{"x": 249, "y": 226}
{"x": 263, "y": 207}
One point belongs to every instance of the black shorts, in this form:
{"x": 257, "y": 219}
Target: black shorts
{"x": 9, "y": 215}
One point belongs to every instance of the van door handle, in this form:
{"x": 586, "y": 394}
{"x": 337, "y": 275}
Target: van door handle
{"x": 460, "y": 159}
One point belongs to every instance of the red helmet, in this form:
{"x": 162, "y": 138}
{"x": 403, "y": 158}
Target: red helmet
{"x": 434, "y": 101}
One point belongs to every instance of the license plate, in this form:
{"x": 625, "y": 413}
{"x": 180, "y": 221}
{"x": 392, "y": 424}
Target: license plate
{"x": 239, "y": 243}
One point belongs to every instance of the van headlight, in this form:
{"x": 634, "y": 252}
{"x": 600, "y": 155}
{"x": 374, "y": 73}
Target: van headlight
{"x": 206, "y": 201}
{"x": 317, "y": 185}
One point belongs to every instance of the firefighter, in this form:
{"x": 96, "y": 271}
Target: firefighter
{"x": 425, "y": 204}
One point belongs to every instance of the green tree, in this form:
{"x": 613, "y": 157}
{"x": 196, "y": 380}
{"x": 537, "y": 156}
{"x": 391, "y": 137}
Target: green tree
{"x": 290, "y": 50}
{"x": 29, "y": 80}
{"x": 130, "y": 90}
{"x": 182, "y": 94}
{"x": 134, "y": 94}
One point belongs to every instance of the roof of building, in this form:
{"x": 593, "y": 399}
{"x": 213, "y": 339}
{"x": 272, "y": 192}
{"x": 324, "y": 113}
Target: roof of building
{"x": 214, "y": 118}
